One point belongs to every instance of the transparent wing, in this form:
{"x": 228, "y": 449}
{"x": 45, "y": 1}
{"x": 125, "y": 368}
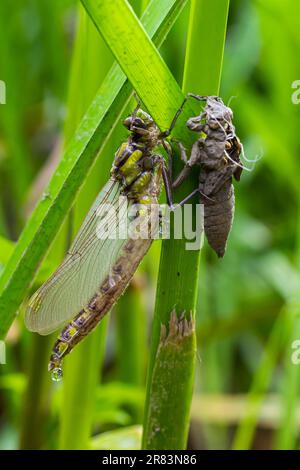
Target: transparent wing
{"x": 89, "y": 261}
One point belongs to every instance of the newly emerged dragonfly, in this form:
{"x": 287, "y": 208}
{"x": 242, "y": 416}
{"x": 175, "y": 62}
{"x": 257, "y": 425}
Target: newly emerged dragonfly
{"x": 100, "y": 264}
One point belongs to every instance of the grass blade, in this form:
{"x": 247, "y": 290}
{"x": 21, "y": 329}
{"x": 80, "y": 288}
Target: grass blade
{"x": 131, "y": 334}
{"x": 280, "y": 333}
{"x": 36, "y": 399}
{"x": 140, "y": 60}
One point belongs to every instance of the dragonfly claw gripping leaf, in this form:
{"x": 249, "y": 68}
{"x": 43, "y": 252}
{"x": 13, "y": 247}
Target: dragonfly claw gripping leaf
{"x": 101, "y": 263}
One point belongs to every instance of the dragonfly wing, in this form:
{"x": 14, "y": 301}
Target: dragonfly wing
{"x": 86, "y": 266}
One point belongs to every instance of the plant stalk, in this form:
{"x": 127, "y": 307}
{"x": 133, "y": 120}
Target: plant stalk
{"x": 172, "y": 360}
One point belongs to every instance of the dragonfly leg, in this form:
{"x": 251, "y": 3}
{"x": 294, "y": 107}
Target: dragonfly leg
{"x": 179, "y": 111}
{"x": 188, "y": 162}
{"x": 134, "y": 112}
{"x": 183, "y": 175}
{"x": 193, "y": 193}
{"x": 167, "y": 179}
{"x": 186, "y": 199}
{"x": 168, "y": 150}
{"x": 198, "y": 97}
{"x": 182, "y": 151}
{"x": 168, "y": 185}
{"x": 138, "y": 104}
{"x": 177, "y": 114}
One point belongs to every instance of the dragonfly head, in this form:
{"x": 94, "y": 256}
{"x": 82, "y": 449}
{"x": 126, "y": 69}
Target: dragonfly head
{"x": 217, "y": 111}
{"x": 216, "y": 116}
{"x": 140, "y": 123}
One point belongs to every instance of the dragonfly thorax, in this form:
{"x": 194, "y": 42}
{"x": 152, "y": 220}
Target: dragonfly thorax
{"x": 136, "y": 166}
{"x": 138, "y": 170}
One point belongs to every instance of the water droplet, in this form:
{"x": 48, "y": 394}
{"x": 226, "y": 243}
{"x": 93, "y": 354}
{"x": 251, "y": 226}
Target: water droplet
{"x": 57, "y": 374}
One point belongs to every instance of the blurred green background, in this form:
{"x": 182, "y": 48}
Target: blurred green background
{"x": 246, "y": 392}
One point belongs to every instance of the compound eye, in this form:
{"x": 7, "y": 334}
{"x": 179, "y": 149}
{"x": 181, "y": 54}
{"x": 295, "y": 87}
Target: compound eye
{"x": 137, "y": 122}
{"x": 127, "y": 122}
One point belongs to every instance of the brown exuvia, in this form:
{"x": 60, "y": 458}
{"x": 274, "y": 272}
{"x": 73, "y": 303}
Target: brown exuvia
{"x": 217, "y": 151}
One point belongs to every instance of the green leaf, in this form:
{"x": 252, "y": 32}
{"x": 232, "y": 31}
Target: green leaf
{"x": 6, "y": 250}
{"x": 141, "y": 61}
{"x": 128, "y": 438}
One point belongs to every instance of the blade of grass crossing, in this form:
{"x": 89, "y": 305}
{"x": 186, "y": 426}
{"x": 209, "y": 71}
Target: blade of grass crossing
{"x": 140, "y": 60}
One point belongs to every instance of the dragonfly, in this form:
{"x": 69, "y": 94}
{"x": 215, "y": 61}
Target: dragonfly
{"x": 100, "y": 263}
{"x": 217, "y": 151}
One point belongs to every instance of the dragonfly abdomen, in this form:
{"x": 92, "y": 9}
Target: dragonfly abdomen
{"x": 218, "y": 217}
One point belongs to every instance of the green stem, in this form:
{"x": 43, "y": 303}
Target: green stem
{"x": 131, "y": 336}
{"x": 205, "y": 46}
{"x": 3, "y": 223}
{"x": 11, "y": 117}
{"x": 287, "y": 434}
{"x": 171, "y": 368}
{"x": 6, "y": 250}
{"x": 36, "y": 399}
{"x": 131, "y": 340}
{"x": 277, "y": 340}
{"x": 81, "y": 377}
